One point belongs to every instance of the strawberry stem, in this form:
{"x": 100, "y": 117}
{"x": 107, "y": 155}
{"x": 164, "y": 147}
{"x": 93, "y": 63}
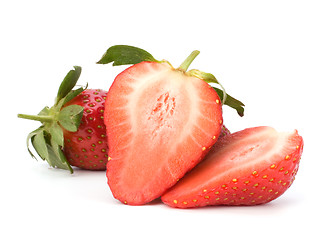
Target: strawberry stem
{"x": 184, "y": 66}
{"x": 36, "y": 117}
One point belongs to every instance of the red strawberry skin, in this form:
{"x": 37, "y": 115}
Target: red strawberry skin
{"x": 160, "y": 123}
{"x": 250, "y": 167}
{"x": 87, "y": 147}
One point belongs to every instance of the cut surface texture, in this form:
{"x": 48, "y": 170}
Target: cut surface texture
{"x": 160, "y": 123}
{"x": 250, "y": 167}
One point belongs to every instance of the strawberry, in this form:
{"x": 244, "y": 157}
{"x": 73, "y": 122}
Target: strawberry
{"x": 160, "y": 123}
{"x": 249, "y": 167}
{"x": 87, "y": 147}
{"x": 72, "y": 131}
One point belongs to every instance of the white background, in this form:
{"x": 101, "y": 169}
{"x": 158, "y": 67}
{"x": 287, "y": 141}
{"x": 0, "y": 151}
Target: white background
{"x": 265, "y": 53}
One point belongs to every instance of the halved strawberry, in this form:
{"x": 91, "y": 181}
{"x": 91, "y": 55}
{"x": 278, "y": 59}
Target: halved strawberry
{"x": 160, "y": 123}
{"x": 249, "y": 167}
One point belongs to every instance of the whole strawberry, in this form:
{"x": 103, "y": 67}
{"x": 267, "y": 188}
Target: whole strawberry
{"x": 72, "y": 130}
{"x": 87, "y": 148}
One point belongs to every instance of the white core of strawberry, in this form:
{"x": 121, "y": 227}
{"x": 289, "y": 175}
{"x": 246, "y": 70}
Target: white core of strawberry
{"x": 263, "y": 147}
{"x": 160, "y": 113}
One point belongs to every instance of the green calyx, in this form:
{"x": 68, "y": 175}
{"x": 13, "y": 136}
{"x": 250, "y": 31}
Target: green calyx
{"x": 188, "y": 61}
{"x": 209, "y": 78}
{"x": 48, "y": 139}
{"x": 124, "y": 55}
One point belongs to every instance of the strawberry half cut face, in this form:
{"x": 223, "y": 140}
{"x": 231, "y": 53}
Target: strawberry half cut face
{"x": 160, "y": 123}
{"x": 250, "y": 167}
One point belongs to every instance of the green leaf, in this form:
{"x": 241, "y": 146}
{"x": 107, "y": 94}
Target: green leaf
{"x": 124, "y": 55}
{"x": 57, "y": 157}
{"x": 52, "y": 152}
{"x": 72, "y": 94}
{"x": 231, "y": 102}
{"x": 39, "y": 143}
{"x": 70, "y": 117}
{"x": 57, "y": 135}
{"x": 55, "y": 161}
{"x": 44, "y": 112}
{"x": 30, "y": 137}
{"x": 68, "y": 83}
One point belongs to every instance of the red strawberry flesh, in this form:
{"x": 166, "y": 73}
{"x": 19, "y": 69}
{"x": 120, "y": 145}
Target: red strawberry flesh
{"x": 160, "y": 123}
{"x": 250, "y": 167}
